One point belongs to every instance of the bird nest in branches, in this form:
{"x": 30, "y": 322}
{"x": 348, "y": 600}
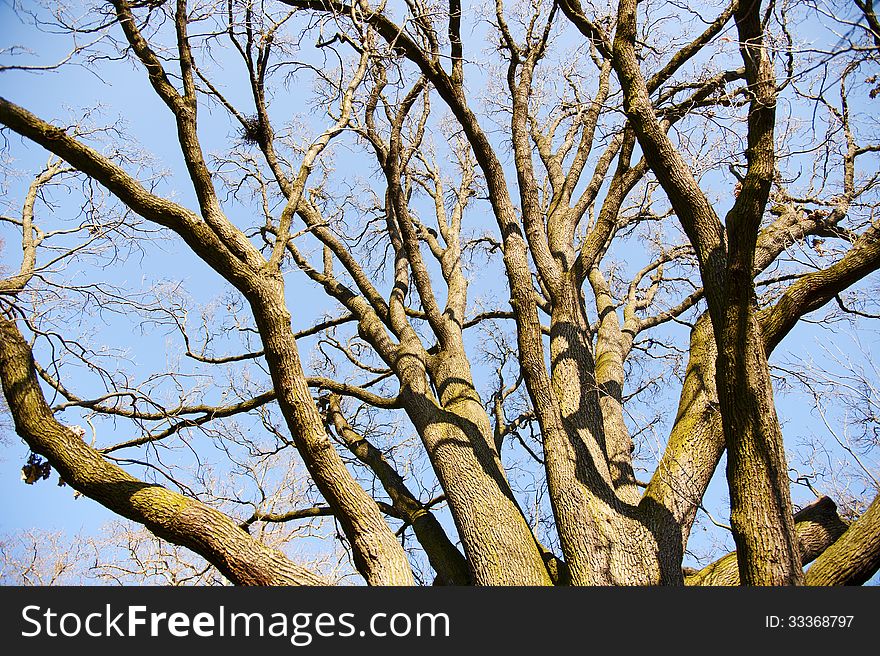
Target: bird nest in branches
{"x": 252, "y": 131}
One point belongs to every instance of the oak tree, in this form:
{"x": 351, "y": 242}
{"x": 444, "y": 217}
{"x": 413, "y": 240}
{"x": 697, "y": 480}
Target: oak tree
{"x": 472, "y": 262}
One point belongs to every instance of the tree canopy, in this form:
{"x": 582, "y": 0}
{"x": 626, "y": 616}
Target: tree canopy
{"x": 493, "y": 289}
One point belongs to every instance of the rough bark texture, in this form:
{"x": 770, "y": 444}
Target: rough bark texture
{"x": 498, "y": 543}
{"x": 619, "y": 548}
{"x": 694, "y": 449}
{"x": 445, "y": 558}
{"x": 757, "y": 471}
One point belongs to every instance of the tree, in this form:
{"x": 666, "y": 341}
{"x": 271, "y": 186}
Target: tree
{"x": 624, "y": 175}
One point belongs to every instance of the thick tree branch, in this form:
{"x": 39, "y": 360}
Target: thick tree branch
{"x": 197, "y": 234}
{"x": 855, "y": 557}
{"x": 169, "y": 515}
{"x": 813, "y": 290}
{"x": 184, "y": 107}
{"x": 818, "y": 527}
{"x": 446, "y": 560}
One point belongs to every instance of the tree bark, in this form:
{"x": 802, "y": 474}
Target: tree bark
{"x": 498, "y": 542}
{"x": 693, "y": 450}
{"x": 615, "y": 547}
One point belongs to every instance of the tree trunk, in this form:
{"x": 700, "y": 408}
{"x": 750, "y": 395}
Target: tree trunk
{"x": 497, "y": 540}
{"x": 693, "y": 451}
{"x": 611, "y": 545}
{"x": 447, "y": 561}
{"x": 757, "y": 473}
